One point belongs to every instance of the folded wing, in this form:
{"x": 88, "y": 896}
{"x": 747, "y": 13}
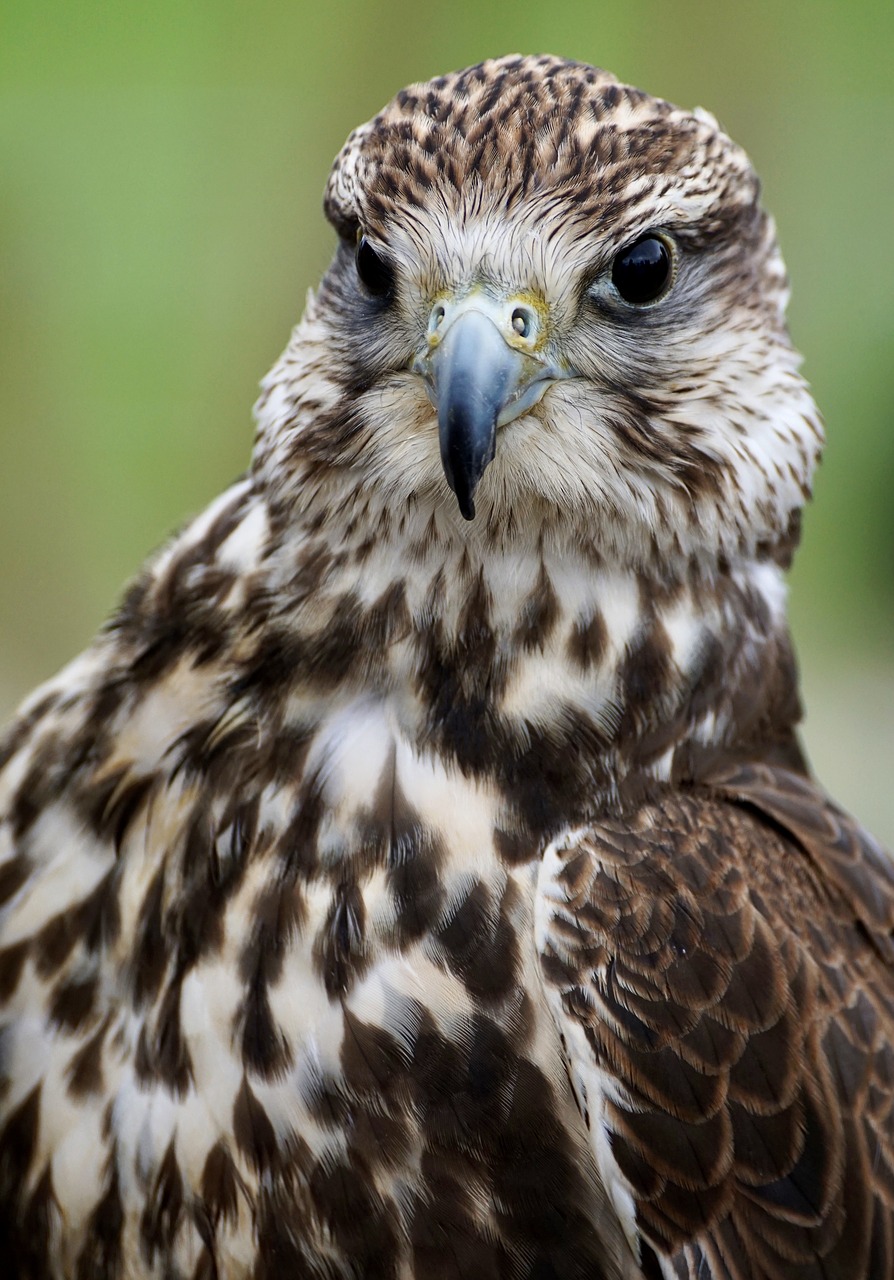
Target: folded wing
{"x": 720, "y": 968}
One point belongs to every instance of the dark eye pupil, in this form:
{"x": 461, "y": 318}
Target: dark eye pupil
{"x": 373, "y": 270}
{"x": 641, "y": 272}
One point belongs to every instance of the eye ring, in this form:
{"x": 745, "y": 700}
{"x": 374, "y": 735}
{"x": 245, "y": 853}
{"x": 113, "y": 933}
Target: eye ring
{"x": 643, "y": 272}
{"x": 375, "y": 272}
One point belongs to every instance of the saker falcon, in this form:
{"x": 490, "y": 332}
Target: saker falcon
{"x": 419, "y": 875}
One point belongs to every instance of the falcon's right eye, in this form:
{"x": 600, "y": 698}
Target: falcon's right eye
{"x": 376, "y": 274}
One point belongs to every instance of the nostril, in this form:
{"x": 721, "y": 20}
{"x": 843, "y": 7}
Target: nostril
{"x": 523, "y": 322}
{"x": 436, "y": 319}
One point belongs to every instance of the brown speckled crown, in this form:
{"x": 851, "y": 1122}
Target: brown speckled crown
{"x": 527, "y": 129}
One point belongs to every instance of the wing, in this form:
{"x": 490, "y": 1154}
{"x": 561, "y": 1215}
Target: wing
{"x": 721, "y": 971}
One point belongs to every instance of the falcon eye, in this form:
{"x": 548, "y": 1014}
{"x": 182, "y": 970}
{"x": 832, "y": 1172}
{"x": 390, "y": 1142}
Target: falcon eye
{"x": 642, "y": 272}
{"x": 377, "y": 274}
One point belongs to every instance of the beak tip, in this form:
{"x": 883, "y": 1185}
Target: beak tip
{"x": 463, "y": 492}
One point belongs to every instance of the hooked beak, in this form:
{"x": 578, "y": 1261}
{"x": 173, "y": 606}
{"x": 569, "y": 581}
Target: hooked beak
{"x": 484, "y": 364}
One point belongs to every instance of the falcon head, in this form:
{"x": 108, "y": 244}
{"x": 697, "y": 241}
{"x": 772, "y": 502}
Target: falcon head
{"x": 556, "y": 307}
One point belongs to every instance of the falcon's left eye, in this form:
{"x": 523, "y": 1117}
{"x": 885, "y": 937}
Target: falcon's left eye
{"x": 642, "y": 272}
{"x": 374, "y": 271}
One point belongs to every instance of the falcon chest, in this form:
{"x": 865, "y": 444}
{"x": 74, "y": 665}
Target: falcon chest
{"x": 479, "y": 713}
{"x": 391, "y": 1017}
{"x": 407, "y": 859}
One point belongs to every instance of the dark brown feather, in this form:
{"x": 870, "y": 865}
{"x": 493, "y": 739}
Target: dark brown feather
{"x": 720, "y": 971}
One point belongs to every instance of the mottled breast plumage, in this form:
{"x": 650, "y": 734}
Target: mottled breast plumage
{"x": 420, "y": 876}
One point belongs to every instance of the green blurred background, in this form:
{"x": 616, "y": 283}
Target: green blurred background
{"x": 160, "y": 177}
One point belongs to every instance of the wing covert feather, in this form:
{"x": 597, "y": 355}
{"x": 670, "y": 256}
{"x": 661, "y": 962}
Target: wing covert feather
{"x": 719, "y": 967}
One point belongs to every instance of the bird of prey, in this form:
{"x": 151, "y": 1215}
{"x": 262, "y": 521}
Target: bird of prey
{"x": 419, "y": 877}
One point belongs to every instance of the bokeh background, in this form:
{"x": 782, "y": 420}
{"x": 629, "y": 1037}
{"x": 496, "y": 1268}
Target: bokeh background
{"x": 161, "y": 168}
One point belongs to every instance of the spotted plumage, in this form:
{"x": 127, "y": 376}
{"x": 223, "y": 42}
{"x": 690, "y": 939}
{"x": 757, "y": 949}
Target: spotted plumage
{"x": 419, "y": 877}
